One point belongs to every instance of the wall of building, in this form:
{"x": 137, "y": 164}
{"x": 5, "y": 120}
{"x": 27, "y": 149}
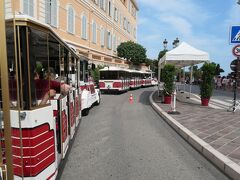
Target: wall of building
{"x": 120, "y": 20}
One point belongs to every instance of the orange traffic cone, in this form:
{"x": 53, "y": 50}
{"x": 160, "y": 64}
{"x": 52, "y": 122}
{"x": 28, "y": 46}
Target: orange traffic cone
{"x": 131, "y": 99}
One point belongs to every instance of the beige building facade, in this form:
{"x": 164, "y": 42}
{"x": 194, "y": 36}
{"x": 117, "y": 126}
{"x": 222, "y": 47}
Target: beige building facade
{"x": 93, "y": 27}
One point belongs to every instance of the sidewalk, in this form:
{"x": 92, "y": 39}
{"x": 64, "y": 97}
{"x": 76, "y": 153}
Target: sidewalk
{"x": 213, "y": 131}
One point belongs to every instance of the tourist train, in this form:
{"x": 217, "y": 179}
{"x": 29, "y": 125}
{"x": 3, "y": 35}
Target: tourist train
{"x": 115, "y": 79}
{"x": 49, "y": 90}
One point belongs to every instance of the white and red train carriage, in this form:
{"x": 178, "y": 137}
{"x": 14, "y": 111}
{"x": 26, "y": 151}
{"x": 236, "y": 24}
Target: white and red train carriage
{"x": 46, "y": 97}
{"x": 114, "y": 79}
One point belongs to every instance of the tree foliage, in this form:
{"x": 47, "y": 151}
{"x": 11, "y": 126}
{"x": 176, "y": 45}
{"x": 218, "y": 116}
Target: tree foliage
{"x": 132, "y": 51}
{"x": 162, "y": 53}
{"x": 96, "y": 74}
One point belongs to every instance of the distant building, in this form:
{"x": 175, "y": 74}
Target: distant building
{"x": 93, "y": 27}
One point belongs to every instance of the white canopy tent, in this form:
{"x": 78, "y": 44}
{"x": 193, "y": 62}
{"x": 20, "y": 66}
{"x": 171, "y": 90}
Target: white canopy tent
{"x": 182, "y": 56}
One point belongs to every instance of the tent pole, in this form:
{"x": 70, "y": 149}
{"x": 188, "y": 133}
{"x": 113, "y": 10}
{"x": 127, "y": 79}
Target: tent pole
{"x": 190, "y": 83}
{"x": 184, "y": 79}
{"x": 159, "y": 72}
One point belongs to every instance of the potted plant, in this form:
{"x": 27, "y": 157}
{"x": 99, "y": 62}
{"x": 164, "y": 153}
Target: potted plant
{"x": 168, "y": 73}
{"x": 207, "y": 84}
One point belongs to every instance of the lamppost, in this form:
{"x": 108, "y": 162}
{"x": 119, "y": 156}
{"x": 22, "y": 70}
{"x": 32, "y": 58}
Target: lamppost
{"x": 159, "y": 69}
{"x": 175, "y": 43}
{"x": 238, "y": 2}
{"x": 165, "y": 44}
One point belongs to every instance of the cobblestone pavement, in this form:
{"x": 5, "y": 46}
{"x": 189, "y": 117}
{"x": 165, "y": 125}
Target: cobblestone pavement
{"x": 217, "y": 127}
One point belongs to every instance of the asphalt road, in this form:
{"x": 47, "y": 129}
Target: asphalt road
{"x": 123, "y": 141}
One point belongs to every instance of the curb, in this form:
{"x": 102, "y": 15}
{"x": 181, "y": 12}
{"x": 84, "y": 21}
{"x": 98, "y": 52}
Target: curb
{"x": 229, "y": 167}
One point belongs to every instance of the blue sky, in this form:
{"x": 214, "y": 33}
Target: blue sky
{"x": 203, "y": 24}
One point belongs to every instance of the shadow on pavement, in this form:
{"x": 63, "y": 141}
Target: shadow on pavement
{"x": 144, "y": 97}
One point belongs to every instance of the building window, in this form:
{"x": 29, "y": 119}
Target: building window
{"x": 115, "y": 14}
{"x": 109, "y": 40}
{"x": 51, "y": 12}
{"x": 71, "y": 19}
{"x": 102, "y": 37}
{"x": 84, "y": 27}
{"x": 125, "y": 23}
{"x": 109, "y": 8}
{"x": 94, "y": 33}
{"x": 102, "y": 5}
{"x": 28, "y": 7}
{"x": 129, "y": 27}
{"x": 134, "y": 32}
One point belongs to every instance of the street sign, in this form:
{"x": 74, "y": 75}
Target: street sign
{"x": 233, "y": 65}
{"x": 235, "y": 34}
{"x": 236, "y": 50}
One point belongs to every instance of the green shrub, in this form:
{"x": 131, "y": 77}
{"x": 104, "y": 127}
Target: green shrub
{"x": 168, "y": 73}
{"x": 207, "y": 85}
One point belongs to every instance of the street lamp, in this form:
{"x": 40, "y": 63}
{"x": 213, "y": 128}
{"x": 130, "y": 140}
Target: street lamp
{"x": 176, "y": 42}
{"x": 165, "y": 44}
{"x": 238, "y": 2}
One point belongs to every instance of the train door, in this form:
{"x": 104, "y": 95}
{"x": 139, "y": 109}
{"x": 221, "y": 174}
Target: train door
{"x": 71, "y": 95}
{"x": 78, "y": 93}
{"x": 63, "y": 104}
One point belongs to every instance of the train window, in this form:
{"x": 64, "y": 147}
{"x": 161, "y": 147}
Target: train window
{"x": 111, "y": 75}
{"x": 39, "y": 65}
{"x": 83, "y": 70}
{"x": 11, "y": 67}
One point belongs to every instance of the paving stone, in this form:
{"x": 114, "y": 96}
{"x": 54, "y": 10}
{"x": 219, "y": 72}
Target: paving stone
{"x": 219, "y": 128}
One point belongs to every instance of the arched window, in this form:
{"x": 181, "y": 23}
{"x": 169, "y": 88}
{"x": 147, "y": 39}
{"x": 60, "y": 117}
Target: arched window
{"x": 28, "y": 7}
{"x": 51, "y": 12}
{"x": 71, "y": 19}
{"x": 102, "y": 37}
{"x": 94, "y": 32}
{"x": 84, "y": 27}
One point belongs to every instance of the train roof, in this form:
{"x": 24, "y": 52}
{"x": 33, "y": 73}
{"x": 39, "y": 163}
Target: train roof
{"x": 24, "y": 20}
{"x": 114, "y": 68}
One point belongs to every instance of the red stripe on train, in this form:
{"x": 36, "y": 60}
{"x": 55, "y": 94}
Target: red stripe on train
{"x": 101, "y": 84}
{"x": 117, "y": 84}
{"x": 35, "y": 158}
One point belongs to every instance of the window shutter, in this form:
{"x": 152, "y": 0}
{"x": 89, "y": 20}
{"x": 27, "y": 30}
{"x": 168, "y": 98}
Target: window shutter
{"x": 54, "y": 13}
{"x": 31, "y": 8}
{"x": 70, "y": 19}
{"x": 47, "y": 11}
{"x": 102, "y": 37}
{"x": 84, "y": 27}
{"x": 94, "y": 28}
{"x": 25, "y": 6}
